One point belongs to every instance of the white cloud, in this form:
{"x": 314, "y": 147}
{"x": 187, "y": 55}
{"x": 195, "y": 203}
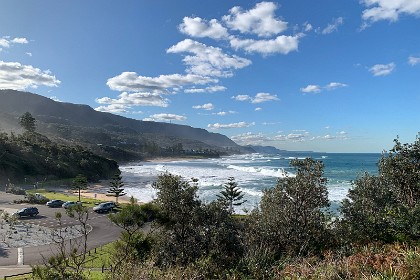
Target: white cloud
{"x": 260, "y": 20}
{"x": 207, "y": 106}
{"x": 29, "y": 54}
{"x": 113, "y": 108}
{"x": 198, "y": 27}
{"x": 258, "y": 109}
{"x": 296, "y": 137}
{"x": 14, "y": 75}
{"x": 19, "y": 41}
{"x": 242, "y": 97}
{"x": 382, "y": 69}
{"x": 311, "y": 89}
{"x": 264, "y": 97}
{"x": 389, "y": 9}
{"x": 224, "y": 113}
{"x": 132, "y": 82}
{"x": 259, "y": 98}
{"x": 250, "y": 138}
{"x": 129, "y": 100}
{"x": 307, "y": 27}
{"x": 334, "y": 85}
{"x": 230, "y": 125}
{"x": 282, "y": 44}
{"x": 412, "y": 60}
{"x": 208, "y": 61}
{"x": 333, "y": 26}
{"x": 318, "y": 88}
{"x": 6, "y": 42}
{"x": 207, "y": 89}
{"x": 165, "y": 117}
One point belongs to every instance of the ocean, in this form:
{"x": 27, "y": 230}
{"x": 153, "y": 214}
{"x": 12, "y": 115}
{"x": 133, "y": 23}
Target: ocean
{"x": 252, "y": 172}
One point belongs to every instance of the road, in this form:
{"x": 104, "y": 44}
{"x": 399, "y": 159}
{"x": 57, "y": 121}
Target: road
{"x": 103, "y": 231}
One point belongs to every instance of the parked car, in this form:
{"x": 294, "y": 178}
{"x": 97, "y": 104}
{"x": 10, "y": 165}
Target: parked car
{"x": 27, "y": 212}
{"x": 104, "y": 207}
{"x": 55, "y": 203}
{"x": 68, "y": 204}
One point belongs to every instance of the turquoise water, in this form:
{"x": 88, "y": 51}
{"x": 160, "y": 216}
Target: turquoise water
{"x": 253, "y": 173}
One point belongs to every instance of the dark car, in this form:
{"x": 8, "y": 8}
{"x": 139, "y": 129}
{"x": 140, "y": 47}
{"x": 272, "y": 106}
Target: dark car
{"x": 27, "y": 212}
{"x": 104, "y": 207}
{"x": 55, "y": 203}
{"x": 69, "y": 204}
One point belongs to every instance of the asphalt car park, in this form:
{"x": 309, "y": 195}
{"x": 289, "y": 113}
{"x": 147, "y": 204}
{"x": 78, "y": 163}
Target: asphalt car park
{"x": 47, "y": 215}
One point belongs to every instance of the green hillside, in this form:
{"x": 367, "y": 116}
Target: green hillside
{"x": 36, "y": 158}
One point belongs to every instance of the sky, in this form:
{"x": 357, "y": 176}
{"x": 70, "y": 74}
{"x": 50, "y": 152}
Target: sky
{"x": 327, "y": 75}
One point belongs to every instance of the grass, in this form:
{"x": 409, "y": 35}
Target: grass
{"x": 66, "y": 197}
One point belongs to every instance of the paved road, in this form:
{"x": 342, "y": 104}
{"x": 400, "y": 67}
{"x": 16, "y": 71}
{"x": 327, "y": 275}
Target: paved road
{"x": 103, "y": 232}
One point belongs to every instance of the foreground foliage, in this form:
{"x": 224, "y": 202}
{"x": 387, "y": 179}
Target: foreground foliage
{"x": 290, "y": 235}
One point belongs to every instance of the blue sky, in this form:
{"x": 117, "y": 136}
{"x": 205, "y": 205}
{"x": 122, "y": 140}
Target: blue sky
{"x": 330, "y": 75}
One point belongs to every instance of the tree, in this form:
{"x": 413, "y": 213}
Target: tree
{"x": 191, "y": 231}
{"x": 70, "y": 262}
{"x": 386, "y": 207}
{"x": 28, "y": 122}
{"x": 291, "y": 218}
{"x": 116, "y": 188}
{"x": 231, "y": 195}
{"x": 79, "y": 183}
{"x": 133, "y": 245}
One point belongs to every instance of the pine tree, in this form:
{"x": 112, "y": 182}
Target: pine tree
{"x": 28, "y": 122}
{"x": 116, "y": 188}
{"x": 79, "y": 183}
{"x": 231, "y": 195}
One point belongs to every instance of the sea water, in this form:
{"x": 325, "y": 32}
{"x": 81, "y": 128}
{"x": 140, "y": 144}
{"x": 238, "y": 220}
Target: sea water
{"x": 252, "y": 172}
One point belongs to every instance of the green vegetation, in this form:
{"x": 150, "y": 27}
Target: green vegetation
{"x": 290, "y": 235}
{"x": 28, "y": 122}
{"x": 116, "y": 190}
{"x": 231, "y": 195}
{"x": 65, "y": 197}
{"x": 33, "y": 157}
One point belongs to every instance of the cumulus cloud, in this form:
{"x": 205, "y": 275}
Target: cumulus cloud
{"x": 224, "y": 113}
{"x": 6, "y": 42}
{"x": 242, "y": 97}
{"x": 332, "y": 27}
{"x": 260, "y": 20}
{"x": 412, "y": 60}
{"x": 334, "y": 85}
{"x": 208, "y": 61}
{"x": 318, "y": 88}
{"x": 132, "y": 82}
{"x": 250, "y": 138}
{"x": 264, "y": 97}
{"x": 14, "y": 75}
{"x": 113, "y": 108}
{"x": 259, "y": 98}
{"x": 311, "y": 89}
{"x": 389, "y": 10}
{"x": 198, "y": 27}
{"x": 382, "y": 69}
{"x": 282, "y": 44}
{"x": 129, "y": 100}
{"x": 165, "y": 117}
{"x": 230, "y": 125}
{"x": 207, "y": 106}
{"x": 206, "y": 89}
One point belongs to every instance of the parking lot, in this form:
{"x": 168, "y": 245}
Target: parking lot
{"x": 47, "y": 215}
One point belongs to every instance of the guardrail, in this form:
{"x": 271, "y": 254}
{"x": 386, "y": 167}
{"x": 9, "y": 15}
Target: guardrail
{"x": 20, "y": 274}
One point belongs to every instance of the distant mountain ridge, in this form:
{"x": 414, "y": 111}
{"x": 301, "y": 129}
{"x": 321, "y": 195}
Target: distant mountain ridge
{"x": 81, "y": 123}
